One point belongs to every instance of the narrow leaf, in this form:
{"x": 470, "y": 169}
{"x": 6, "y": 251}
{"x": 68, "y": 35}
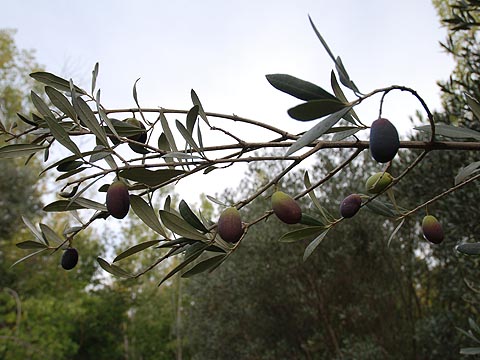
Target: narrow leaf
{"x": 187, "y": 135}
{"x": 70, "y": 173}
{"x": 190, "y": 217}
{"x": 192, "y": 118}
{"x": 86, "y": 114}
{"x": 324, "y": 43}
{"x": 179, "y": 226}
{"x": 301, "y": 234}
{"x": 313, "y": 245}
{"x": 316, "y": 109}
{"x": 69, "y": 165}
{"x": 104, "y": 116}
{"x": 395, "y": 231}
{"x": 163, "y": 142}
{"x": 27, "y": 257}
{"x": 188, "y": 259}
{"x": 50, "y": 235}
{"x": 24, "y": 119}
{"x": 61, "y": 135}
{"x": 317, "y": 131}
{"x": 468, "y": 334}
{"x": 62, "y": 205}
{"x": 180, "y": 155}
{"x": 196, "y": 101}
{"x": 90, "y": 204}
{"x": 314, "y": 198}
{"x": 199, "y": 136}
{"x": 473, "y": 105}
{"x": 179, "y": 241}
{"x": 19, "y": 150}
{"x": 122, "y": 128}
{"x": 451, "y": 131}
{"x": 470, "y": 351}
{"x": 33, "y": 229}
{"x": 61, "y": 102}
{"x": 167, "y": 204}
{"x": 215, "y": 200}
{"x": 473, "y": 325}
{"x": 337, "y": 90}
{"x": 113, "y": 269}
{"x": 99, "y": 154}
{"x": 298, "y": 88}
{"x": 469, "y": 248}
{"x": 204, "y": 265}
{"x": 381, "y": 208}
{"x": 68, "y": 159}
{"x": 344, "y": 78}
{"x": 149, "y": 177}
{"x": 55, "y": 81}
{"x": 135, "y": 249}
{"x": 41, "y": 106}
{"x": 344, "y": 134}
{"x": 351, "y": 116}
{"x": 29, "y": 244}
{"x": 94, "y": 77}
{"x": 466, "y": 171}
{"x": 168, "y": 132}
{"x": 146, "y": 214}
{"x": 310, "y": 221}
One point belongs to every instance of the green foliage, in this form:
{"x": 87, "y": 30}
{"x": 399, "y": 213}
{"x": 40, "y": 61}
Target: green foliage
{"x": 14, "y": 85}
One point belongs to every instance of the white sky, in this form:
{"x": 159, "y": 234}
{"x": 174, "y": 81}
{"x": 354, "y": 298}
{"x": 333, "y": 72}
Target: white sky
{"x": 223, "y": 50}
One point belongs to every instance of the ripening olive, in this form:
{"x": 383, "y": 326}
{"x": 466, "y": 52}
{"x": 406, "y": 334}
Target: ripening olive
{"x": 432, "y": 229}
{"x": 286, "y": 208}
{"x": 378, "y": 182}
{"x": 229, "y": 225}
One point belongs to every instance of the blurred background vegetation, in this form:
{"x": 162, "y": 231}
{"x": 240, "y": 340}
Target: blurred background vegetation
{"x": 355, "y": 298}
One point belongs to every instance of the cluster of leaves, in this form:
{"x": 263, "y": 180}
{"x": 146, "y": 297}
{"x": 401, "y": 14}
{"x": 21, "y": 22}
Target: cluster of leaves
{"x": 463, "y": 15}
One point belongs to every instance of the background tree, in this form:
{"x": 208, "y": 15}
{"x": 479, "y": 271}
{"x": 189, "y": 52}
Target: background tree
{"x": 451, "y": 274}
{"x": 353, "y": 298}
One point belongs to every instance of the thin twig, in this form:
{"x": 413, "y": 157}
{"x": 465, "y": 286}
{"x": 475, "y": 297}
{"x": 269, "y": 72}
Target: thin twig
{"x": 439, "y": 196}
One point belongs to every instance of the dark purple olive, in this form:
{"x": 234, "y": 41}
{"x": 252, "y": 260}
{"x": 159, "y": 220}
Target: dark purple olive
{"x": 118, "y": 199}
{"x": 69, "y": 258}
{"x": 384, "y": 142}
{"x": 350, "y": 205}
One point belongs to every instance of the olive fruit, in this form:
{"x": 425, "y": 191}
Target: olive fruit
{"x": 432, "y": 229}
{"x": 350, "y": 205}
{"x": 69, "y": 258}
{"x": 378, "y": 182}
{"x": 384, "y": 142}
{"x": 229, "y": 225}
{"x": 286, "y": 208}
{"x": 142, "y": 137}
{"x": 118, "y": 199}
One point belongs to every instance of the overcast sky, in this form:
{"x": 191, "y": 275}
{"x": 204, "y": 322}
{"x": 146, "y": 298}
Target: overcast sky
{"x": 223, "y": 50}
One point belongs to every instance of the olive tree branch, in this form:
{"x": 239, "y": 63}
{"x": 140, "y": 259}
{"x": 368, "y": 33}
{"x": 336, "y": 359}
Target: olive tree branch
{"x": 439, "y": 196}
